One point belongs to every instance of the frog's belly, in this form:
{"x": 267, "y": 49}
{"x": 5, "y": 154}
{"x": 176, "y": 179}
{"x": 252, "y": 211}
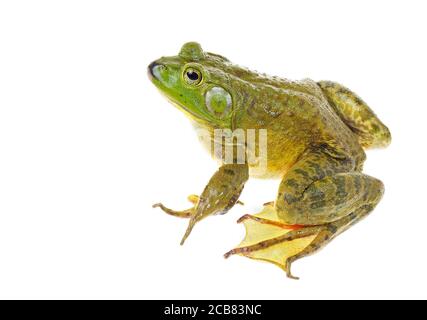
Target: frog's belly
{"x": 272, "y": 157}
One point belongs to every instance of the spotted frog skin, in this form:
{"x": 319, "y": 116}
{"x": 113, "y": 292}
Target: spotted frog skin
{"x": 316, "y": 136}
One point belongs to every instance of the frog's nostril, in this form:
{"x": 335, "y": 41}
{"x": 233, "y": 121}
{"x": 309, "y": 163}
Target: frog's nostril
{"x": 152, "y": 67}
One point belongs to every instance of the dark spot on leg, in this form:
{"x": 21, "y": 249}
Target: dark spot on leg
{"x": 331, "y": 228}
{"x": 292, "y": 183}
{"x": 290, "y": 199}
{"x": 317, "y": 204}
{"x": 316, "y": 194}
{"x": 229, "y": 172}
{"x": 357, "y": 183}
{"x": 320, "y": 173}
{"x": 303, "y": 173}
{"x": 340, "y": 184}
{"x": 352, "y": 215}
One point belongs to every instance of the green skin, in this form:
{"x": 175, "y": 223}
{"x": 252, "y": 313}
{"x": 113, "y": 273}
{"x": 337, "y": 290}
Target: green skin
{"x": 316, "y": 135}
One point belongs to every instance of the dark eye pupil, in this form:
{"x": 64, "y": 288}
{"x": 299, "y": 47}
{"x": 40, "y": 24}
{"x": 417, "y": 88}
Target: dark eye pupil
{"x": 192, "y": 75}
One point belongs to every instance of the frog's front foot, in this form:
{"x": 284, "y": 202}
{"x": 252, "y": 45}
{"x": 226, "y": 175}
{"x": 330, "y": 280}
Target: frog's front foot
{"x": 187, "y": 213}
{"x": 181, "y": 214}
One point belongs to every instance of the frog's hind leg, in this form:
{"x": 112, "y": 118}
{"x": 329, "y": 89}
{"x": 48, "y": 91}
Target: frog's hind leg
{"x": 319, "y": 195}
{"x": 272, "y": 241}
{"x": 326, "y": 234}
{"x": 357, "y": 115}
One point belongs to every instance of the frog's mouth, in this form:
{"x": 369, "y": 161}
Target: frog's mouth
{"x": 201, "y": 118}
{"x": 188, "y": 112}
{"x": 150, "y": 70}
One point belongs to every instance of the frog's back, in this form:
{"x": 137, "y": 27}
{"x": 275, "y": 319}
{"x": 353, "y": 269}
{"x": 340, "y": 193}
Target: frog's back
{"x": 333, "y": 97}
{"x": 298, "y": 117}
{"x": 303, "y": 112}
{"x": 347, "y": 105}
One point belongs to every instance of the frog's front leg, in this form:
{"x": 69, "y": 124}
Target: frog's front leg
{"x": 323, "y": 196}
{"x": 219, "y": 196}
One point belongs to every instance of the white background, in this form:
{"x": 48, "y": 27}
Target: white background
{"x": 87, "y": 145}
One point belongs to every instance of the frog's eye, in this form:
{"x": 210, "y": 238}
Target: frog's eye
{"x": 192, "y": 76}
{"x": 218, "y": 101}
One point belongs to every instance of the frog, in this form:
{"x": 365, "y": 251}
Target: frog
{"x": 316, "y": 136}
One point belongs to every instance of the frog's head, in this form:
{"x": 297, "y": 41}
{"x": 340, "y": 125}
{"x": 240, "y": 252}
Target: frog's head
{"x": 195, "y": 82}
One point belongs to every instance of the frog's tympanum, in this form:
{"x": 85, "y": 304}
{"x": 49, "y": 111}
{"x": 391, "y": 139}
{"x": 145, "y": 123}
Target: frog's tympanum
{"x": 316, "y": 135}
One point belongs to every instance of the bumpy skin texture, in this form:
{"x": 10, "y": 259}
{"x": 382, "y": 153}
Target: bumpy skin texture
{"x": 316, "y": 133}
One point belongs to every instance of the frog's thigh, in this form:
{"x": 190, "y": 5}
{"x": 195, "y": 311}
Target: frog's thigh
{"x": 332, "y": 198}
{"x": 327, "y": 199}
{"x": 356, "y": 114}
{"x": 312, "y": 167}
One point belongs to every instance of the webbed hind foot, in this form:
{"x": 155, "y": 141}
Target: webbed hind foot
{"x": 268, "y": 239}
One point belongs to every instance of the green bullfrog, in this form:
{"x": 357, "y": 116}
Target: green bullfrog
{"x": 312, "y": 134}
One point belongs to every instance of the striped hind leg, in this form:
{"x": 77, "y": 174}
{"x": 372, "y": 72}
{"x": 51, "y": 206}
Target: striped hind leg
{"x": 356, "y": 114}
{"x": 326, "y": 208}
{"x": 333, "y": 203}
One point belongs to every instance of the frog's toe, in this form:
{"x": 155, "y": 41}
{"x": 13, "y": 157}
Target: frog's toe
{"x": 193, "y": 198}
{"x": 181, "y": 214}
{"x": 287, "y": 269}
{"x": 276, "y": 223}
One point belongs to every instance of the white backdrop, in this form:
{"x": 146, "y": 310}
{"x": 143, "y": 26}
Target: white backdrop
{"x": 87, "y": 145}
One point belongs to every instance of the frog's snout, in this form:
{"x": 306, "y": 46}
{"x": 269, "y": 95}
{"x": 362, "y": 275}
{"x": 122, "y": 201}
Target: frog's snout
{"x": 152, "y": 70}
